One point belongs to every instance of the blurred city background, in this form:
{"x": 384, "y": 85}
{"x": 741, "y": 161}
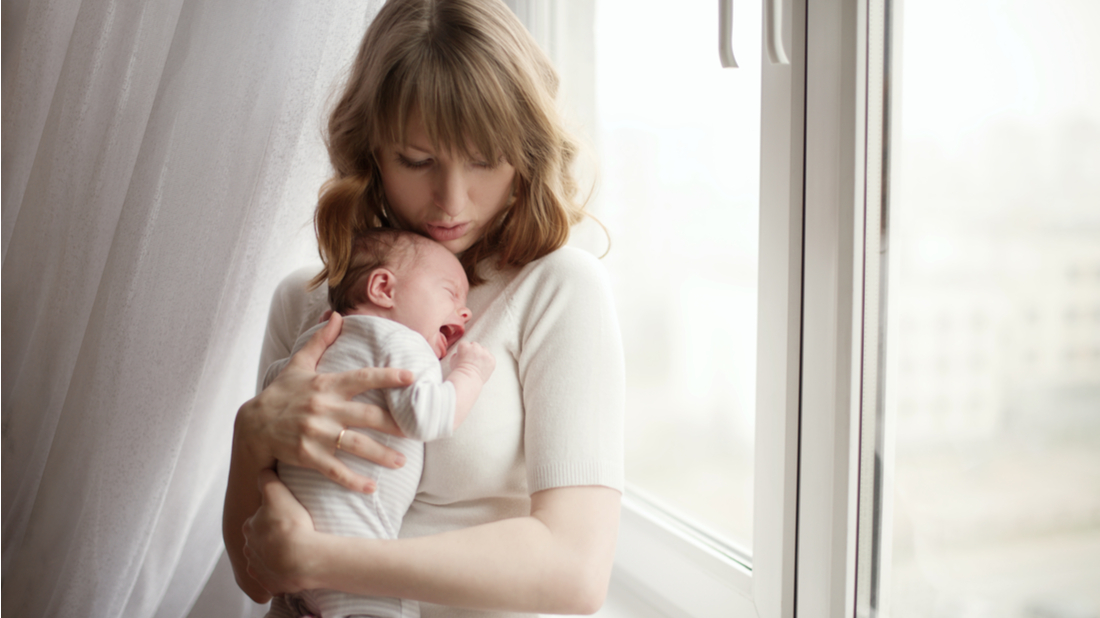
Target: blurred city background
{"x": 993, "y": 312}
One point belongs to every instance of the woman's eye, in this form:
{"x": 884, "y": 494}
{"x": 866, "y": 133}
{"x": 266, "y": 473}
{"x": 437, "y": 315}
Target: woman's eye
{"x": 485, "y": 164}
{"x": 413, "y": 164}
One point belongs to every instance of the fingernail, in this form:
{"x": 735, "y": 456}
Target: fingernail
{"x": 368, "y": 487}
{"x": 399, "y": 460}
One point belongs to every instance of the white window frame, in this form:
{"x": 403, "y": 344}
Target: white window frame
{"x": 817, "y": 328}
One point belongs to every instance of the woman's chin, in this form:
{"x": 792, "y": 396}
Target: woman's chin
{"x": 458, "y": 245}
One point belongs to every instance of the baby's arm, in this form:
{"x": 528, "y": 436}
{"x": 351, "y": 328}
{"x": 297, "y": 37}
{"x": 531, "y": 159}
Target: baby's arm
{"x": 471, "y": 367}
{"x": 432, "y": 407}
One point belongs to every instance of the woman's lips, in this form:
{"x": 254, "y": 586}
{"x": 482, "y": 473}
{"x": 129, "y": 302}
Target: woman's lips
{"x": 443, "y": 233}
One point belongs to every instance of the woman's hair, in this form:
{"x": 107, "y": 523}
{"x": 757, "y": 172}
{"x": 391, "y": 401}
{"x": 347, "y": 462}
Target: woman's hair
{"x": 370, "y": 250}
{"x": 477, "y": 79}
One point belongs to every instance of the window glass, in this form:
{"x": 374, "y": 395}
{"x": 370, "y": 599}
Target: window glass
{"x": 677, "y": 138}
{"x": 993, "y": 340}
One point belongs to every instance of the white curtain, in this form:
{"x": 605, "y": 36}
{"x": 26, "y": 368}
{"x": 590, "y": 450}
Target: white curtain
{"x": 160, "y": 164}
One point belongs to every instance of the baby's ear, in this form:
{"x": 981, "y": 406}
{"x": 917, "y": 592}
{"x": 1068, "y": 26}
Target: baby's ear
{"x": 380, "y": 285}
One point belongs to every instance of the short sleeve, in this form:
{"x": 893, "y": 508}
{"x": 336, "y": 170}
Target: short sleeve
{"x": 572, "y": 373}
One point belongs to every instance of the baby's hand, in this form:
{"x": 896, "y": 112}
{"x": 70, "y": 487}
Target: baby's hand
{"x": 472, "y": 357}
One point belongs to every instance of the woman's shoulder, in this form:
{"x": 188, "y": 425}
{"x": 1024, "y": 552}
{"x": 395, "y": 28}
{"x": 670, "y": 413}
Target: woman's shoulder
{"x": 294, "y": 294}
{"x": 294, "y": 309}
{"x": 565, "y": 276}
{"x": 567, "y": 266}
{"x": 294, "y": 288}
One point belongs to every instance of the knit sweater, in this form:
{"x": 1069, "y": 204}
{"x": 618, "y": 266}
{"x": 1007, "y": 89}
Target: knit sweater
{"x": 550, "y": 416}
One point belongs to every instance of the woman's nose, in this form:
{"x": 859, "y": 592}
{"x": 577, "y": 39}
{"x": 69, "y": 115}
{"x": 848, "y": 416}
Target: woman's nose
{"x": 450, "y": 195}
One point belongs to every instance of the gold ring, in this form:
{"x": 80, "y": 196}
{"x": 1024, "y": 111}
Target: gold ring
{"x": 340, "y": 437}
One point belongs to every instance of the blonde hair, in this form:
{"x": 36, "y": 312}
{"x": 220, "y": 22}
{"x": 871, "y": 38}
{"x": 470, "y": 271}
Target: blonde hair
{"x": 477, "y": 80}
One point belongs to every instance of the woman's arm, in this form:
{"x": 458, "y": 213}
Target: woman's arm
{"x": 298, "y": 419}
{"x": 556, "y": 560}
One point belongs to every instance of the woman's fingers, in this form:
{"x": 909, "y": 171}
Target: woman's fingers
{"x": 357, "y": 414}
{"x": 319, "y": 454}
{"x": 363, "y": 446}
{"x": 272, "y": 489}
{"x": 277, "y": 497}
{"x": 311, "y": 352}
{"x": 335, "y": 470}
{"x": 298, "y": 418}
{"x": 276, "y": 537}
{"x": 348, "y": 384}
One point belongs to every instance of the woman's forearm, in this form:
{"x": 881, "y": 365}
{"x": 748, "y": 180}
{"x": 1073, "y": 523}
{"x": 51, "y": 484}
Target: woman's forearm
{"x": 242, "y": 498}
{"x": 557, "y": 560}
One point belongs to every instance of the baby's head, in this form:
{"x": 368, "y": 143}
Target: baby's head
{"x": 409, "y": 279}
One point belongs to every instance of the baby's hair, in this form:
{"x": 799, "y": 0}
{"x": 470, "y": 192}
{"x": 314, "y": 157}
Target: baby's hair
{"x": 371, "y": 249}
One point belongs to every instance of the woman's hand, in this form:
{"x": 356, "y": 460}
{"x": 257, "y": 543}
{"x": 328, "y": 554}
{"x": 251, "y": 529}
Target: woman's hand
{"x": 299, "y": 417}
{"x": 277, "y": 539}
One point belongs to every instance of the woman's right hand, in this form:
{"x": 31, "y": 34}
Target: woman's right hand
{"x": 299, "y": 417}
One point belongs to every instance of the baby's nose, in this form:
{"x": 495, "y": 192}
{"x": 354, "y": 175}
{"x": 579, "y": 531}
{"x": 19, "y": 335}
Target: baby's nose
{"x": 465, "y": 314}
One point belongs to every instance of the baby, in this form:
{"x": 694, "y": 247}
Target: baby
{"x": 404, "y": 298}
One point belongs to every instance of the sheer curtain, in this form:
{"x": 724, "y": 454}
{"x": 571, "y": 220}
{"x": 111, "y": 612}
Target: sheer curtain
{"x": 160, "y": 163}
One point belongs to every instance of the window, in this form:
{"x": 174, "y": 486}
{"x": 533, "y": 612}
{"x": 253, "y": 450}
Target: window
{"x": 992, "y": 379}
{"x": 678, "y": 142}
{"x": 809, "y": 336}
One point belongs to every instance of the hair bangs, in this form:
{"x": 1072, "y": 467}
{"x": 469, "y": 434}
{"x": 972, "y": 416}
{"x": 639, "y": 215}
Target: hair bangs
{"x": 465, "y": 107}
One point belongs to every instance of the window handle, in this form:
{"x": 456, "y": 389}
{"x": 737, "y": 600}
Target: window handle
{"x": 776, "y": 53}
{"x": 725, "y": 34}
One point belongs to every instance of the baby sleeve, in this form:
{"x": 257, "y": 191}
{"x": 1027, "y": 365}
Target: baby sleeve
{"x": 572, "y": 373}
{"x": 424, "y": 410}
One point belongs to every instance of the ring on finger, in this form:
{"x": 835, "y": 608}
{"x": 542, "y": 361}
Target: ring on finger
{"x": 340, "y": 438}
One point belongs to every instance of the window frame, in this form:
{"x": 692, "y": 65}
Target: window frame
{"x": 817, "y": 335}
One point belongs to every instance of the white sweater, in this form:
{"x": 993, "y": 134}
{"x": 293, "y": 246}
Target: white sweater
{"x": 550, "y": 416}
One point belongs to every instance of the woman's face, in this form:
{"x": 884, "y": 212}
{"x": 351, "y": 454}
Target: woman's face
{"x": 440, "y": 193}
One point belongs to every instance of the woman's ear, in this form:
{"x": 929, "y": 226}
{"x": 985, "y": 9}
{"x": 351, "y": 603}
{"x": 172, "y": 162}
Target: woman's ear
{"x": 380, "y": 287}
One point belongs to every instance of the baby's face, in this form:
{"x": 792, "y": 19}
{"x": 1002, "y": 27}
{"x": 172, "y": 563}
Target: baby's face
{"x": 430, "y": 296}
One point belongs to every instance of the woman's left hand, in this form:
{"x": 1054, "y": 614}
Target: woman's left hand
{"x": 278, "y": 538}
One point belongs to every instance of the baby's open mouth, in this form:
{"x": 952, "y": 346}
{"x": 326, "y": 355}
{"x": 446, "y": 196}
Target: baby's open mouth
{"x": 452, "y": 332}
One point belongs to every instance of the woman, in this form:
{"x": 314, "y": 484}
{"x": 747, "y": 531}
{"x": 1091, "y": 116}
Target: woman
{"x": 448, "y": 127}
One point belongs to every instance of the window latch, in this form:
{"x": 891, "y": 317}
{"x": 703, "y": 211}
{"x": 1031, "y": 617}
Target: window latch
{"x": 725, "y": 34}
{"x": 776, "y": 53}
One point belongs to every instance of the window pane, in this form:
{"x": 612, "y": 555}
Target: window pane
{"x": 993, "y": 344}
{"x": 678, "y": 143}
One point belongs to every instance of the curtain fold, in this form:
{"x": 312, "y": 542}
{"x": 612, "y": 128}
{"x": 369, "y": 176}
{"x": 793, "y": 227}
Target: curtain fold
{"x": 160, "y": 164}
